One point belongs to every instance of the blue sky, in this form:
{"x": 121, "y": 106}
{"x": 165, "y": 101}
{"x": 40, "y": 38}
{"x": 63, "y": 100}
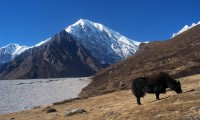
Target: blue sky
{"x": 28, "y": 22}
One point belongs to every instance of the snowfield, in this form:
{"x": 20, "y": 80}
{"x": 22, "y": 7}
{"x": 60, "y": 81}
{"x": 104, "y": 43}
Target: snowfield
{"x": 18, "y": 95}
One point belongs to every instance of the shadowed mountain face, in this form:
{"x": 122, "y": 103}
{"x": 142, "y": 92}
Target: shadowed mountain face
{"x": 179, "y": 56}
{"x": 60, "y": 57}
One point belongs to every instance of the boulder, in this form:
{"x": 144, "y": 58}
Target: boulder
{"x": 75, "y": 111}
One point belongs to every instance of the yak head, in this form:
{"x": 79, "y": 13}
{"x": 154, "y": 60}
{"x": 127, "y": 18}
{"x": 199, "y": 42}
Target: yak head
{"x": 177, "y": 86}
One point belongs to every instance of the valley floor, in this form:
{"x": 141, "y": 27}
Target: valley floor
{"x": 121, "y": 105}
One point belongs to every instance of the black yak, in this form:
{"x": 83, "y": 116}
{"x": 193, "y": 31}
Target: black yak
{"x": 154, "y": 84}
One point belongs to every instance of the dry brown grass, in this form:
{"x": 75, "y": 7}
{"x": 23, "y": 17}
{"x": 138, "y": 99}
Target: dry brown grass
{"x": 121, "y": 105}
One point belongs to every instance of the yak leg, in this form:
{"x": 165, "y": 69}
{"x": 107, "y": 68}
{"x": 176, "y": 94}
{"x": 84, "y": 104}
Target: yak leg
{"x": 157, "y": 95}
{"x": 138, "y": 101}
{"x": 157, "y": 90}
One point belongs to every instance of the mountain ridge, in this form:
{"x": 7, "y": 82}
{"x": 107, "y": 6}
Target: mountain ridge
{"x": 50, "y": 57}
{"x": 105, "y": 45}
{"x": 122, "y": 54}
{"x": 62, "y": 56}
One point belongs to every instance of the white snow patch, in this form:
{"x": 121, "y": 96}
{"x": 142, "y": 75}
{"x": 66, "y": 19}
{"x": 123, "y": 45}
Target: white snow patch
{"x": 185, "y": 28}
{"x": 19, "y": 49}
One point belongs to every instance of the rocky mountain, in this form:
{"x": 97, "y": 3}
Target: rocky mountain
{"x": 178, "y": 56}
{"x": 61, "y": 56}
{"x": 106, "y": 45}
{"x": 10, "y": 51}
{"x": 79, "y": 50}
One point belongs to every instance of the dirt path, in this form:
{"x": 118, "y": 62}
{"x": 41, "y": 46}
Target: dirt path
{"x": 121, "y": 105}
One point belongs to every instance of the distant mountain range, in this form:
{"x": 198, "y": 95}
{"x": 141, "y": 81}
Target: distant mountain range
{"x": 105, "y": 45}
{"x": 114, "y": 46}
{"x": 81, "y": 49}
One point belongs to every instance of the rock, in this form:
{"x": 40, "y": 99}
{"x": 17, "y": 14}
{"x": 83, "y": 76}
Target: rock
{"x": 196, "y": 107}
{"x": 36, "y": 107}
{"x": 122, "y": 85}
{"x": 45, "y": 109}
{"x": 111, "y": 113}
{"x": 50, "y": 110}
{"x": 75, "y": 111}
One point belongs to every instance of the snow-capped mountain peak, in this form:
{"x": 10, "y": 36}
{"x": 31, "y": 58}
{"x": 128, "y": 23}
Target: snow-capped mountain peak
{"x": 101, "y": 40}
{"x": 106, "y": 45}
{"x": 13, "y": 49}
{"x": 185, "y": 28}
{"x": 83, "y": 23}
{"x": 10, "y": 51}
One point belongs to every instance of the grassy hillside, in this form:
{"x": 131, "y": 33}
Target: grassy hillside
{"x": 178, "y": 57}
